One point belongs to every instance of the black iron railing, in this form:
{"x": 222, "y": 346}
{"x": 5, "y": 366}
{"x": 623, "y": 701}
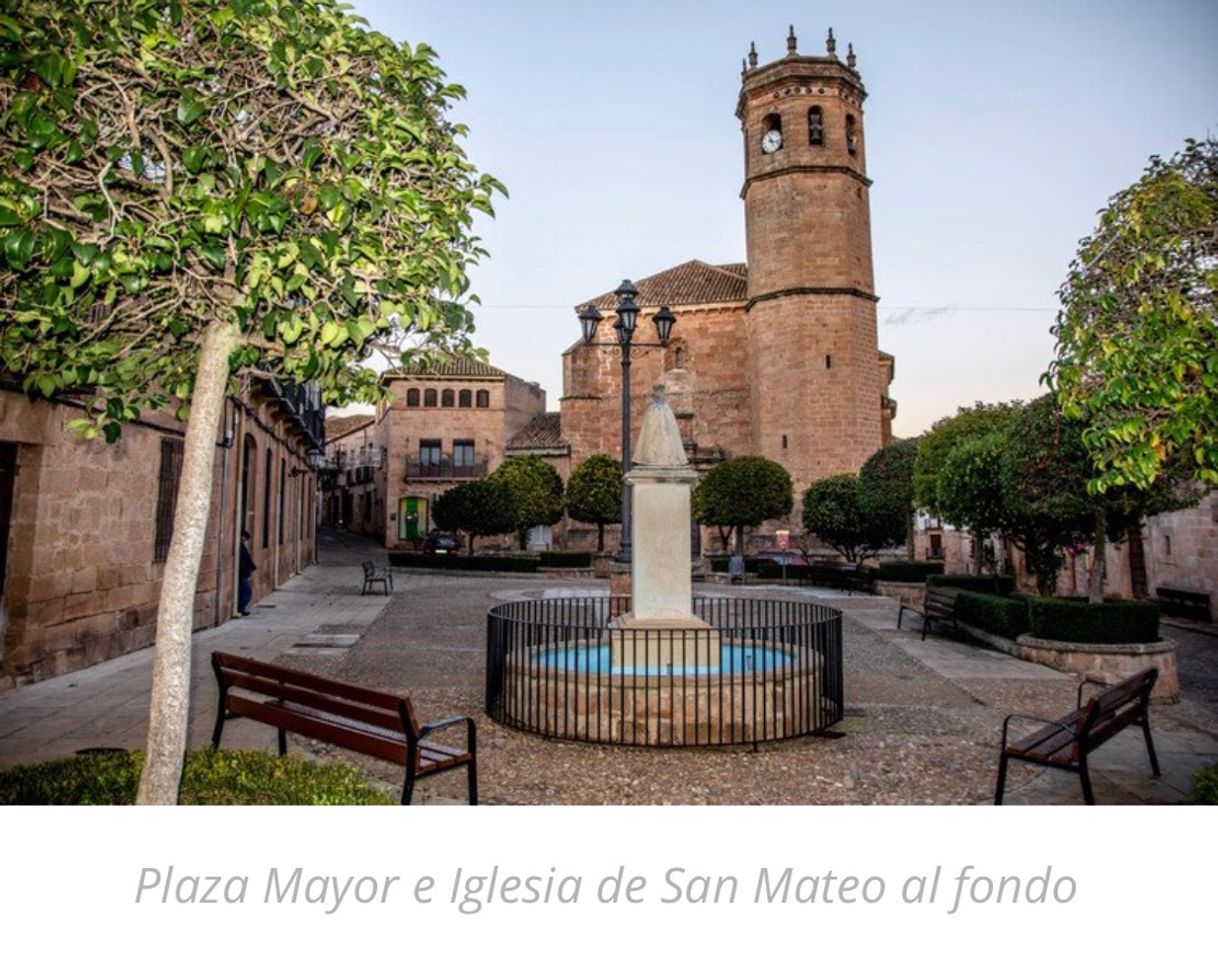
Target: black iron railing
{"x": 752, "y": 670}
{"x": 445, "y": 468}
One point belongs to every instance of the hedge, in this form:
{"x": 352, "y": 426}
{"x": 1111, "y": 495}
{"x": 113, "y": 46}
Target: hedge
{"x": 907, "y": 571}
{"x": 563, "y": 560}
{"x": 475, "y": 563}
{"x": 1001, "y": 615}
{"x": 993, "y": 585}
{"x": 1119, "y": 622}
{"x": 1205, "y": 785}
{"x": 209, "y": 777}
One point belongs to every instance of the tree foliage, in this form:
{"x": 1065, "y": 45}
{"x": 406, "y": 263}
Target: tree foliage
{"x": 477, "y": 508}
{"x": 535, "y": 489}
{"x": 969, "y": 490}
{"x": 1137, "y": 335}
{"x": 886, "y": 482}
{"x": 835, "y": 510}
{"x": 594, "y": 493}
{"x": 742, "y": 492}
{"x": 193, "y": 190}
{"x": 948, "y": 433}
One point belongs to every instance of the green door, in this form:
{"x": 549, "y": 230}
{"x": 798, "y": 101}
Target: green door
{"x": 412, "y": 518}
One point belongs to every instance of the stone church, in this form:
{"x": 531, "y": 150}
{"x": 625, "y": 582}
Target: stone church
{"x": 775, "y": 357}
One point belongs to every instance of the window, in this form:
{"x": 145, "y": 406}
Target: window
{"x": 483, "y": 398}
{"x": 166, "y": 496}
{"x": 828, "y": 362}
{"x": 465, "y": 399}
{"x": 429, "y": 397}
{"x": 816, "y": 126}
{"x": 463, "y": 456}
{"x": 852, "y": 144}
{"x": 446, "y": 397}
{"x": 283, "y": 495}
{"x": 266, "y": 502}
{"x": 412, "y": 397}
{"x": 429, "y": 453}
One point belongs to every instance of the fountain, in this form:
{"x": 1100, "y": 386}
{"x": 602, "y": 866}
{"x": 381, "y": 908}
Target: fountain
{"x": 663, "y": 667}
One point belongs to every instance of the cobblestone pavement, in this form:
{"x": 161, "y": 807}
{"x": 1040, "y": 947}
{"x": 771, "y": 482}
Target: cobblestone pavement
{"x": 922, "y": 717}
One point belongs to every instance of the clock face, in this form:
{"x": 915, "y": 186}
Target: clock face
{"x": 771, "y": 141}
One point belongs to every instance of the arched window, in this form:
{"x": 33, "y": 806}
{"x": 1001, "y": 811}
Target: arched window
{"x": 816, "y": 126}
{"x": 446, "y": 397}
{"x": 429, "y": 397}
{"x": 412, "y": 397}
{"x": 771, "y": 133}
{"x": 483, "y": 398}
{"x": 465, "y": 398}
{"x": 852, "y": 143}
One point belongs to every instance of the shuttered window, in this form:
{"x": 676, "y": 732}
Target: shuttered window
{"x": 166, "y": 495}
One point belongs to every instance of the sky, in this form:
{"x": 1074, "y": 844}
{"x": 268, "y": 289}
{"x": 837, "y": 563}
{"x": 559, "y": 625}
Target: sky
{"x": 995, "y": 134}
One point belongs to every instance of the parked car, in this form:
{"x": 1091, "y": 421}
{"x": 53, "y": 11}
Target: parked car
{"x": 439, "y": 543}
{"x": 780, "y": 557}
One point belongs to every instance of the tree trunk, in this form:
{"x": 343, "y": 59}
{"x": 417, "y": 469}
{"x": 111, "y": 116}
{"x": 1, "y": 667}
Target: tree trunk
{"x": 169, "y": 708}
{"x": 979, "y": 553}
{"x": 724, "y": 534}
{"x": 600, "y": 537}
{"x": 1095, "y": 582}
{"x": 471, "y": 544}
{"x": 910, "y": 533}
{"x": 740, "y": 540}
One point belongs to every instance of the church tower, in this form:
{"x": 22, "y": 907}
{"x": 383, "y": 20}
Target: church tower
{"x": 818, "y": 382}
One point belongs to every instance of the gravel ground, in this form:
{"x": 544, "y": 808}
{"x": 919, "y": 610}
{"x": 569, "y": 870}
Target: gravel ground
{"x": 911, "y": 736}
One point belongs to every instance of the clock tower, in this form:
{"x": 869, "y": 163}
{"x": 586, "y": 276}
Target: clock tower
{"x": 818, "y": 381}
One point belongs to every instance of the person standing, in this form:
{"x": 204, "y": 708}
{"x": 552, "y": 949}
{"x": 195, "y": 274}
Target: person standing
{"x": 245, "y": 569}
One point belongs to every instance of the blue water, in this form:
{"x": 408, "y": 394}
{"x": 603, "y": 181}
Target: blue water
{"x": 733, "y": 660}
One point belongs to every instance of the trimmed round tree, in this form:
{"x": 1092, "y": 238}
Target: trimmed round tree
{"x": 740, "y": 493}
{"x": 1137, "y": 336}
{"x": 535, "y": 489}
{"x": 477, "y": 508}
{"x": 594, "y": 494}
{"x": 944, "y": 436}
{"x": 195, "y": 191}
{"x": 886, "y": 485}
{"x": 834, "y": 510}
{"x": 970, "y": 488}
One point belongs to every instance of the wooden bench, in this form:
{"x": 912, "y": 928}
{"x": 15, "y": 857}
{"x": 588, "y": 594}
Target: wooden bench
{"x": 376, "y": 577}
{"x": 1185, "y": 603}
{"x": 938, "y": 606}
{"x": 1066, "y": 742}
{"x": 359, "y": 719}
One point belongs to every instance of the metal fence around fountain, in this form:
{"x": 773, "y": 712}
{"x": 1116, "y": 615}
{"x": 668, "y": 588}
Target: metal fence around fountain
{"x": 551, "y": 670}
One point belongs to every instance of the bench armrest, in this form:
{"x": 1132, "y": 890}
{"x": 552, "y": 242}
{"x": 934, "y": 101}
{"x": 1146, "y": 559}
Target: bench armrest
{"x": 1089, "y": 679}
{"x": 1006, "y": 723}
{"x": 471, "y": 729}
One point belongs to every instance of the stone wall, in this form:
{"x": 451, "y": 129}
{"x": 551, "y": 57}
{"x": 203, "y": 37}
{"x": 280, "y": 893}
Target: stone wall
{"x": 82, "y": 581}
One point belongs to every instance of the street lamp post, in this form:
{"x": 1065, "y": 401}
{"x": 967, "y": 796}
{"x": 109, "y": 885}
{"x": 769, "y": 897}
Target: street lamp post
{"x": 627, "y": 316}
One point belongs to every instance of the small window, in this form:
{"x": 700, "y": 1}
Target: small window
{"x": 447, "y": 398}
{"x": 429, "y": 453}
{"x": 784, "y": 441}
{"x": 429, "y": 397}
{"x": 463, "y": 457}
{"x": 484, "y": 398}
{"x": 828, "y": 362}
{"x": 412, "y": 397}
{"x": 816, "y": 126}
{"x": 1166, "y": 545}
{"x": 465, "y": 398}
{"x": 266, "y": 501}
{"x": 852, "y": 144}
{"x": 166, "y": 496}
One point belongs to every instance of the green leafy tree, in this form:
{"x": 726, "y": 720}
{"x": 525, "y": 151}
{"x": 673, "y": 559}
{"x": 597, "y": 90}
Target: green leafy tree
{"x": 834, "y": 509}
{"x": 969, "y": 491}
{"x": 1137, "y": 335}
{"x": 535, "y": 489}
{"x": 195, "y": 191}
{"x": 594, "y": 494}
{"x": 886, "y": 485}
{"x": 477, "y": 508}
{"x": 948, "y": 433}
{"x": 742, "y": 492}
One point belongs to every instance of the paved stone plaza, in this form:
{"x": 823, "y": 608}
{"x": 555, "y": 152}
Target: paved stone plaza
{"x": 921, "y": 728}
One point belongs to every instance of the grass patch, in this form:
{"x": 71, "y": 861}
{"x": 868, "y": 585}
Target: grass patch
{"x": 209, "y": 777}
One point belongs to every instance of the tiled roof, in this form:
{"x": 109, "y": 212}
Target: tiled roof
{"x": 543, "y": 432}
{"x": 694, "y": 282}
{"x": 455, "y": 368}
{"x": 341, "y": 426}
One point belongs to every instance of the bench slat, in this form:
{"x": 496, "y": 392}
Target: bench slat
{"x": 356, "y": 693}
{"x": 306, "y": 698}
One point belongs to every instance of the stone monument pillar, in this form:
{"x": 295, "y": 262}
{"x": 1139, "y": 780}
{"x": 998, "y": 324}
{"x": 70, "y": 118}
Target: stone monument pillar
{"x": 661, "y": 634}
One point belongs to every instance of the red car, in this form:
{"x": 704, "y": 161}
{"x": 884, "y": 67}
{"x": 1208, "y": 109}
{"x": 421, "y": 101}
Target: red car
{"x": 780, "y": 557}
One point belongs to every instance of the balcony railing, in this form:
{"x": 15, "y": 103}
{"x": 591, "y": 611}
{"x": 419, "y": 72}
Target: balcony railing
{"x": 444, "y": 468}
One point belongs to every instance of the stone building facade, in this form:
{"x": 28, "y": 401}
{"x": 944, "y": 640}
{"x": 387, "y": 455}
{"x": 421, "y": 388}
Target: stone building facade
{"x": 85, "y": 526}
{"x": 775, "y": 357}
{"x": 439, "y": 428}
{"x": 352, "y": 482}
